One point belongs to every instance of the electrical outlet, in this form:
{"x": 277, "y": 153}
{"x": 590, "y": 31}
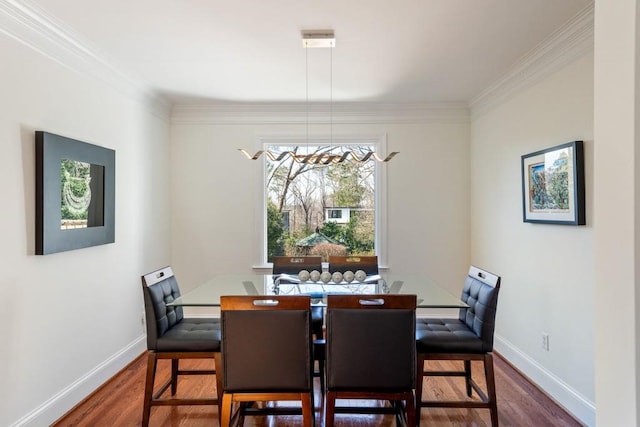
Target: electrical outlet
{"x": 545, "y": 341}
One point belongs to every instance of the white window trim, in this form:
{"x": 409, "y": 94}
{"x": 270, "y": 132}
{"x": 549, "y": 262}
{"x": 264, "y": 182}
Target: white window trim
{"x": 377, "y": 141}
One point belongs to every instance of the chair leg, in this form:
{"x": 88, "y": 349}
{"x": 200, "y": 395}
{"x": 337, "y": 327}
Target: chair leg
{"x": 321, "y": 374}
{"x": 330, "y": 409}
{"x": 240, "y": 412}
{"x": 412, "y": 414}
{"x": 401, "y": 418}
{"x": 174, "y": 376}
{"x": 419, "y": 381}
{"x": 148, "y": 387}
{"x": 219, "y": 372}
{"x": 225, "y": 417}
{"x": 319, "y": 356}
{"x": 467, "y": 376}
{"x": 491, "y": 388}
{"x": 308, "y": 411}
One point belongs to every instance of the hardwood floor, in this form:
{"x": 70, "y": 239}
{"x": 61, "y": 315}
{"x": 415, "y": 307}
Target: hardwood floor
{"x": 119, "y": 403}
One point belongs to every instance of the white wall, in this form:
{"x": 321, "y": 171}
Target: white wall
{"x": 547, "y": 270}
{"x": 616, "y": 165}
{"x": 216, "y": 191}
{"x": 71, "y": 320}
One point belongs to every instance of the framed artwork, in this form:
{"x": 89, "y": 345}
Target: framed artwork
{"x": 553, "y": 185}
{"x": 75, "y": 194}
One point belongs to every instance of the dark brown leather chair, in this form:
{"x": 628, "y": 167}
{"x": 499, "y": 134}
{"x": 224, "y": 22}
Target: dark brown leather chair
{"x": 466, "y": 338}
{"x": 368, "y": 264}
{"x": 266, "y": 355}
{"x": 371, "y": 354}
{"x": 172, "y": 336}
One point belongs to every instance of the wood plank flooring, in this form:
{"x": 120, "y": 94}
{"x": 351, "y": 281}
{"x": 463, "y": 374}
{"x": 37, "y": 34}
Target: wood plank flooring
{"x": 119, "y": 403}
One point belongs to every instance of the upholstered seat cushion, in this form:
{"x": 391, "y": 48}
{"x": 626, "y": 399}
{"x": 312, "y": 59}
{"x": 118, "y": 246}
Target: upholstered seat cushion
{"x": 446, "y": 336}
{"x": 191, "y": 334}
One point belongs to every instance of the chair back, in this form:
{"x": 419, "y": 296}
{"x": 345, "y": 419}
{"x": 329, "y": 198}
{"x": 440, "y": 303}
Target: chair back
{"x": 368, "y": 264}
{"x": 480, "y": 293}
{"x": 159, "y": 288}
{"x": 266, "y": 343}
{"x": 371, "y": 342}
{"x": 293, "y": 264}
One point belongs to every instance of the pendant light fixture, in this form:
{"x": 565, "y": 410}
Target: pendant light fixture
{"x": 319, "y": 39}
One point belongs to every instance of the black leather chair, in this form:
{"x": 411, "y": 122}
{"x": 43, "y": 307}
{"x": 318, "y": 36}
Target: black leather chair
{"x": 368, "y": 264}
{"x": 266, "y": 355}
{"x": 467, "y": 338}
{"x": 172, "y": 336}
{"x": 371, "y": 354}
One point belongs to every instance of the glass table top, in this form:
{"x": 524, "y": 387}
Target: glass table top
{"x": 208, "y": 294}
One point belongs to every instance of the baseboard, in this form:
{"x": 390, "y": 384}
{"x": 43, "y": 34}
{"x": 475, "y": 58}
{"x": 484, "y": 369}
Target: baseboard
{"x": 66, "y": 399}
{"x": 573, "y": 402}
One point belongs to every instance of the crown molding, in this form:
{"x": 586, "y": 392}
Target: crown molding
{"x": 318, "y": 113}
{"x": 29, "y": 24}
{"x": 570, "y": 42}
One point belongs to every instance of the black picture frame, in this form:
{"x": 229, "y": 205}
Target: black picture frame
{"x": 99, "y": 228}
{"x": 553, "y": 189}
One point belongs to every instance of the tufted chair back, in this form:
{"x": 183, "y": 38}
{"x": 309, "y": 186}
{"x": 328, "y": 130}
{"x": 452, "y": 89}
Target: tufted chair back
{"x": 160, "y": 288}
{"x": 480, "y": 293}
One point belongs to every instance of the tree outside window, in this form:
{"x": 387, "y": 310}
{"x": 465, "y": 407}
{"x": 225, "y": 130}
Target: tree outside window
{"x": 305, "y": 191}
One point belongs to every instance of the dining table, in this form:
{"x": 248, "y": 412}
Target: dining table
{"x": 429, "y": 293}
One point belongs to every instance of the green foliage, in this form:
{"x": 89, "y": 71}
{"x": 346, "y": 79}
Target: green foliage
{"x": 292, "y": 237}
{"x": 358, "y": 236}
{"x": 275, "y": 231}
{"x": 345, "y": 179}
{"x": 333, "y": 230}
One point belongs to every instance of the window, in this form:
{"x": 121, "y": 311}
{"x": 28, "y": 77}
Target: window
{"x": 335, "y": 213}
{"x": 299, "y": 195}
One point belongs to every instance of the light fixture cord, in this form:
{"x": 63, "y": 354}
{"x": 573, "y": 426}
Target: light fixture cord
{"x": 331, "y": 101}
{"x": 306, "y": 51}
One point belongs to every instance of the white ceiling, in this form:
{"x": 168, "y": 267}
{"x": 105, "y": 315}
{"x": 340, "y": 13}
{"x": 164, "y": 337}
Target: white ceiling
{"x": 387, "y": 51}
